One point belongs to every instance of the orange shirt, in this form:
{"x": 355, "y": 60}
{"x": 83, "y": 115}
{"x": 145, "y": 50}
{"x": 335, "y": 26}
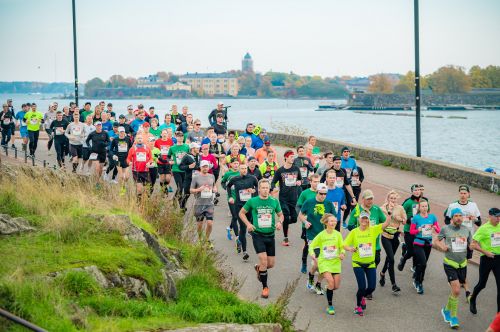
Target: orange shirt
{"x": 261, "y": 154}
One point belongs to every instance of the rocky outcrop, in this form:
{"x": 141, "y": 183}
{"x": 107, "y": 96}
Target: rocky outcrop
{"x": 232, "y": 328}
{"x": 9, "y": 225}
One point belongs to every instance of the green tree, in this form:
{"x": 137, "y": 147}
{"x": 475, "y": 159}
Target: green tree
{"x": 449, "y": 79}
{"x": 265, "y": 88}
{"x": 406, "y": 83}
{"x": 92, "y": 85}
{"x": 493, "y": 75}
{"x": 478, "y": 78}
{"x": 380, "y": 83}
{"x": 247, "y": 84}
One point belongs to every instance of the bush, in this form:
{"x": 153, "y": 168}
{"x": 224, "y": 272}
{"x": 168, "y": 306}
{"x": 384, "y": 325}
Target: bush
{"x": 404, "y": 167}
{"x": 430, "y": 174}
{"x": 387, "y": 162}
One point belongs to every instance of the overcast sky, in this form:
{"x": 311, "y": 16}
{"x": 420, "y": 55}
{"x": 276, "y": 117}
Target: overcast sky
{"x": 313, "y": 37}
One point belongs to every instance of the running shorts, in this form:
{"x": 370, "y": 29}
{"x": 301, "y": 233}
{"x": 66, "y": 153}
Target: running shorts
{"x": 264, "y": 243}
{"x": 202, "y": 212}
{"x": 24, "y": 132}
{"x": 452, "y": 273}
{"x": 164, "y": 169}
{"x": 140, "y": 177}
{"x": 76, "y": 150}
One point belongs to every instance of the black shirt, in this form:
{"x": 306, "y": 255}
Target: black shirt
{"x": 340, "y": 173}
{"x": 99, "y": 141}
{"x": 287, "y": 178}
{"x": 120, "y": 144}
{"x": 256, "y": 172}
{"x": 58, "y": 127}
{"x": 187, "y": 160}
{"x": 219, "y": 129}
{"x": 240, "y": 184}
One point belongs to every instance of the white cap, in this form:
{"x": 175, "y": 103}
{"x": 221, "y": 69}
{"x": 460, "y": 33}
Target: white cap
{"x": 121, "y": 129}
{"x": 321, "y": 187}
{"x": 204, "y": 163}
{"x": 194, "y": 145}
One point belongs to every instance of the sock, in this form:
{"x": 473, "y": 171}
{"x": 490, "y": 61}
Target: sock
{"x": 263, "y": 278}
{"x": 318, "y": 284}
{"x": 467, "y": 293}
{"x": 75, "y": 167}
{"x": 452, "y": 306}
{"x": 305, "y": 252}
{"x": 329, "y": 295}
{"x": 311, "y": 278}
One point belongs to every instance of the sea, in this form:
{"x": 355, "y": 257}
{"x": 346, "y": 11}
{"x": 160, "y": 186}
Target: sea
{"x": 472, "y": 139}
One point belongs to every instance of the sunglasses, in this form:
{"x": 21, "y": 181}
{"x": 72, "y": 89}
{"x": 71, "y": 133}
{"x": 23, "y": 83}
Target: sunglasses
{"x": 197, "y": 124}
{"x": 322, "y": 194}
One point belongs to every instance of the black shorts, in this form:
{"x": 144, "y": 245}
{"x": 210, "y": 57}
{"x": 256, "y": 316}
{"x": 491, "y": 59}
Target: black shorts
{"x": 101, "y": 156}
{"x": 13, "y": 129}
{"x": 452, "y": 273}
{"x": 264, "y": 243}
{"x": 164, "y": 169}
{"x": 86, "y": 153}
{"x": 140, "y": 177}
{"x": 122, "y": 162}
{"x": 76, "y": 150}
{"x": 303, "y": 235}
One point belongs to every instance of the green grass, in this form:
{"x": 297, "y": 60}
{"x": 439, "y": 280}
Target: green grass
{"x": 387, "y": 162}
{"x": 68, "y": 237}
{"x": 430, "y": 174}
{"x": 404, "y": 167}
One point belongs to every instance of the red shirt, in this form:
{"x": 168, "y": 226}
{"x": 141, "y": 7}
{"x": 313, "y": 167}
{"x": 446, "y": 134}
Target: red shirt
{"x": 212, "y": 160}
{"x": 163, "y": 146}
{"x": 139, "y": 158}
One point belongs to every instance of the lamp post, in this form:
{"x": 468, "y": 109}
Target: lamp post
{"x": 74, "y": 54}
{"x": 417, "y": 78}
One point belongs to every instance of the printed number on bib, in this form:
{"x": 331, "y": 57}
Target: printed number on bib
{"x": 140, "y": 156}
{"x": 59, "y": 131}
{"x": 459, "y": 244}
{"x": 178, "y": 157}
{"x": 6, "y": 121}
{"x": 339, "y": 183}
{"x": 122, "y": 147}
{"x": 355, "y": 182}
{"x": 290, "y": 180}
{"x": 348, "y": 171}
{"x": 303, "y": 172}
{"x": 34, "y": 121}
{"x": 93, "y": 156}
{"x": 427, "y": 231}
{"x": 77, "y": 131}
{"x": 206, "y": 193}
{"x": 164, "y": 150}
{"x": 495, "y": 240}
{"x": 245, "y": 195}
{"x": 264, "y": 220}
{"x": 330, "y": 252}
{"x": 365, "y": 250}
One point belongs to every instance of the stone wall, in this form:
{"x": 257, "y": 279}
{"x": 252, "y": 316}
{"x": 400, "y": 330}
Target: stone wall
{"x": 431, "y": 168}
{"x": 396, "y": 99}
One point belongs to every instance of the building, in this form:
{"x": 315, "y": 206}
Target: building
{"x": 177, "y": 86}
{"x": 150, "y": 82}
{"x": 212, "y": 84}
{"x": 247, "y": 63}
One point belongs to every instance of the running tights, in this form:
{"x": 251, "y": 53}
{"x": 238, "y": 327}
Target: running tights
{"x": 367, "y": 279}
{"x": 33, "y": 138}
{"x": 390, "y": 247}
{"x": 234, "y": 218}
{"x": 422, "y": 254}
{"x": 486, "y": 265}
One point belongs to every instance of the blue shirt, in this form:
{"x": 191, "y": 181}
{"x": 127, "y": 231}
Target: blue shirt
{"x": 20, "y": 117}
{"x": 136, "y": 124}
{"x": 165, "y": 126}
{"x": 257, "y": 142}
{"x": 349, "y": 165}
{"x": 419, "y": 221}
{"x": 107, "y": 126}
{"x": 337, "y": 197}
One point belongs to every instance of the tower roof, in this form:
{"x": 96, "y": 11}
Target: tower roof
{"x": 247, "y": 56}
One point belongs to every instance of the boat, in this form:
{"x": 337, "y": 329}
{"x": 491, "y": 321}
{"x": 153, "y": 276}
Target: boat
{"x": 449, "y": 108}
{"x": 378, "y": 108}
{"x": 330, "y": 107}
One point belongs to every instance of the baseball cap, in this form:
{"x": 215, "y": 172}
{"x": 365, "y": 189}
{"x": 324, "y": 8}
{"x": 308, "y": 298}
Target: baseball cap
{"x": 98, "y": 123}
{"x": 145, "y": 124}
{"x": 267, "y": 142}
{"x": 367, "y": 194}
{"x": 364, "y": 214}
{"x": 464, "y": 187}
{"x": 116, "y": 124}
{"x": 336, "y": 158}
{"x": 204, "y": 163}
{"x": 414, "y": 186}
{"x": 263, "y": 131}
{"x": 122, "y": 116}
{"x": 321, "y": 187}
{"x": 194, "y": 145}
{"x": 251, "y": 158}
{"x": 494, "y": 212}
{"x": 121, "y": 129}
{"x": 130, "y": 107}
{"x": 455, "y": 211}
{"x": 346, "y": 148}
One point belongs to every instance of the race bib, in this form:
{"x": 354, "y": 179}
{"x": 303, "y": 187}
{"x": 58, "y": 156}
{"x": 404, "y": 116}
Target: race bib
{"x": 459, "y": 244}
{"x": 373, "y": 222}
{"x": 34, "y": 121}
{"x": 140, "y": 156}
{"x": 339, "y": 183}
{"x": 164, "y": 150}
{"x": 264, "y": 220}
{"x": 178, "y": 157}
{"x": 59, "y": 131}
{"x": 415, "y": 210}
{"x": 122, "y": 147}
{"x": 151, "y": 139}
{"x": 330, "y": 252}
{"x": 348, "y": 171}
{"x": 290, "y": 180}
{"x": 245, "y": 195}
{"x": 495, "y": 240}
{"x": 206, "y": 193}
{"x": 427, "y": 231}
{"x": 303, "y": 172}
{"x": 6, "y": 121}
{"x": 365, "y": 250}
{"x": 93, "y": 156}
{"x": 336, "y": 204}
{"x": 355, "y": 182}
{"x": 77, "y": 131}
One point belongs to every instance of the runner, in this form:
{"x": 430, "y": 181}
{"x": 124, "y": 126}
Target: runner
{"x": 262, "y": 154}
{"x": 89, "y": 128}
{"x": 154, "y": 129}
{"x": 269, "y": 167}
{"x": 57, "y": 129}
{"x": 175, "y": 154}
{"x": 232, "y": 172}
{"x": 139, "y": 158}
{"x": 12, "y": 123}
{"x": 189, "y": 163}
{"x": 260, "y": 139}
{"x": 305, "y": 166}
{"x": 390, "y": 237}
{"x": 177, "y": 118}
{"x": 289, "y": 179}
{"x": 196, "y": 136}
{"x": 216, "y": 149}
{"x": 422, "y": 226}
{"x": 100, "y": 141}
{"x": 327, "y": 249}
{"x": 456, "y": 239}
{"x": 219, "y": 127}
{"x": 244, "y": 187}
{"x": 119, "y": 149}
{"x": 75, "y": 133}
{"x": 335, "y": 195}
{"x": 348, "y": 163}
{"x": 357, "y": 178}
{"x": 326, "y": 164}
{"x": 164, "y": 169}
{"x": 411, "y": 207}
{"x": 263, "y": 209}
{"x": 248, "y": 147}
{"x": 168, "y": 123}
{"x": 6, "y": 119}
{"x": 215, "y": 112}
{"x": 203, "y": 186}
{"x": 307, "y": 194}
{"x": 86, "y": 111}
{"x": 486, "y": 240}
{"x": 122, "y": 123}
{"x": 253, "y": 169}
{"x": 310, "y": 216}
{"x": 34, "y": 119}
{"x": 21, "y": 123}
{"x": 48, "y": 117}
{"x": 361, "y": 241}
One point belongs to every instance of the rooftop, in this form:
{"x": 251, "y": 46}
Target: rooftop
{"x": 207, "y": 75}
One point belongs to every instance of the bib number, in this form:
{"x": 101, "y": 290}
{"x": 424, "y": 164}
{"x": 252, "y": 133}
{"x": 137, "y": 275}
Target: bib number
{"x": 339, "y": 183}
{"x": 495, "y": 240}
{"x": 348, "y": 171}
{"x": 122, "y": 147}
{"x": 6, "y": 121}
{"x": 245, "y": 195}
{"x": 206, "y": 193}
{"x": 330, "y": 252}
{"x": 303, "y": 172}
{"x": 59, "y": 131}
{"x": 355, "y": 182}
{"x": 365, "y": 250}
{"x": 290, "y": 180}
{"x": 140, "y": 156}
{"x": 427, "y": 231}
{"x": 34, "y": 121}
{"x": 264, "y": 220}
{"x": 178, "y": 157}
{"x": 77, "y": 131}
{"x": 93, "y": 156}
{"x": 459, "y": 244}
{"x": 164, "y": 150}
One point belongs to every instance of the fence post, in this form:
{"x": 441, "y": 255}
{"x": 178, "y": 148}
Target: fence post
{"x": 26, "y": 156}
{"x": 44, "y": 163}
{"x": 33, "y": 160}
{"x": 15, "y": 153}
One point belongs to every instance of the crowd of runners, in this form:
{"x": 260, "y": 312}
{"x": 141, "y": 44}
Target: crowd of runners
{"x": 322, "y": 190}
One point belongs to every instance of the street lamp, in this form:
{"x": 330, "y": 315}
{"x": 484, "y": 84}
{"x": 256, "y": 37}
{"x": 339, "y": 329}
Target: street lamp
{"x": 417, "y": 78}
{"x": 74, "y": 54}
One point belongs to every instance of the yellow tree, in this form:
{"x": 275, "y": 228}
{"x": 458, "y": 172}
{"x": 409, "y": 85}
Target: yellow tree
{"x": 380, "y": 83}
{"x": 449, "y": 79}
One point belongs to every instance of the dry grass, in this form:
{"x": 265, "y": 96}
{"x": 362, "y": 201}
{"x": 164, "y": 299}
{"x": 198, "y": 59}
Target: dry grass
{"x": 287, "y": 128}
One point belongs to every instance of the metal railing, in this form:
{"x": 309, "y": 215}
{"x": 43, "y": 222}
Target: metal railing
{"x": 16, "y": 154}
{"x": 20, "y": 321}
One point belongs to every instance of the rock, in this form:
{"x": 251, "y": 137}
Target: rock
{"x": 232, "y": 328}
{"x": 97, "y": 275}
{"x": 135, "y": 288}
{"x": 166, "y": 289}
{"x": 9, "y": 225}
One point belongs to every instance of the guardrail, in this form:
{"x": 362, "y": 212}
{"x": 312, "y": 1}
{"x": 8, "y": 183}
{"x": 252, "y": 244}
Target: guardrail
{"x": 23, "y": 155}
{"x": 20, "y": 321}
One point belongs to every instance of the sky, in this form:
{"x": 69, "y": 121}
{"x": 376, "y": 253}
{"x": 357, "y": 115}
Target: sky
{"x": 308, "y": 37}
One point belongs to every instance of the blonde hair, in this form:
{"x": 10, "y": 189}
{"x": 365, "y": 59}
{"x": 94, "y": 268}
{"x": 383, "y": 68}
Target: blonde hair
{"x": 326, "y": 216}
{"x": 391, "y": 192}
{"x": 399, "y": 211}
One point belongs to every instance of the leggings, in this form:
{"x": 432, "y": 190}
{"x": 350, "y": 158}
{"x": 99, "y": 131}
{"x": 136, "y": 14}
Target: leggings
{"x": 187, "y": 192}
{"x": 59, "y": 145}
{"x": 234, "y": 218}
{"x": 486, "y": 265}
{"x": 290, "y": 215}
{"x": 390, "y": 247}
{"x": 33, "y": 138}
{"x": 242, "y": 235}
{"x": 6, "y": 134}
{"x": 409, "y": 248}
{"x": 422, "y": 254}
{"x": 51, "y": 138}
{"x": 153, "y": 175}
{"x": 348, "y": 200}
{"x": 367, "y": 279}
{"x": 179, "y": 183}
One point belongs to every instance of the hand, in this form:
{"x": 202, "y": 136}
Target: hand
{"x": 231, "y": 200}
{"x": 299, "y": 183}
{"x": 343, "y": 206}
{"x": 307, "y": 224}
{"x": 251, "y": 190}
{"x": 446, "y": 248}
{"x": 489, "y": 254}
{"x": 306, "y": 162}
{"x": 115, "y": 158}
{"x": 341, "y": 256}
{"x": 251, "y": 228}
{"x": 192, "y": 165}
{"x": 278, "y": 226}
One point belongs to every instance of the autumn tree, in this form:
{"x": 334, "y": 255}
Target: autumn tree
{"x": 380, "y": 83}
{"x": 449, "y": 79}
{"x": 406, "y": 83}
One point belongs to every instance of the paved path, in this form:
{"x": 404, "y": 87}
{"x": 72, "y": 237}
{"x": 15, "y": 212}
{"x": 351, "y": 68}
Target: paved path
{"x": 386, "y": 312}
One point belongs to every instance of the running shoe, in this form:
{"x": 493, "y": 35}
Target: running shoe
{"x": 415, "y": 284}
{"x": 344, "y": 225}
{"x": 395, "y": 289}
{"x": 401, "y": 264}
{"x": 256, "y": 267}
{"x": 454, "y": 323}
{"x": 420, "y": 289}
{"x": 467, "y": 296}
{"x": 472, "y": 306}
{"x": 245, "y": 256}
{"x": 303, "y": 268}
{"x": 238, "y": 246}
{"x": 358, "y": 311}
{"x": 170, "y": 190}
{"x": 319, "y": 290}
{"x": 265, "y": 293}
{"x": 330, "y": 310}
{"x": 382, "y": 280}
{"x": 412, "y": 269}
{"x": 446, "y": 315}
{"x": 285, "y": 242}
{"x": 228, "y": 233}
{"x": 363, "y": 303}
{"x": 310, "y": 286}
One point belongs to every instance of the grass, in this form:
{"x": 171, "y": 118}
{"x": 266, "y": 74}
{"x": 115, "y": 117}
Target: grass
{"x": 69, "y": 236}
{"x": 430, "y": 174}
{"x": 404, "y": 167}
{"x": 387, "y": 162}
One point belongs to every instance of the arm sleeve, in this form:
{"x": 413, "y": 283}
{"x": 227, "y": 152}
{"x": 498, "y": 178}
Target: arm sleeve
{"x": 437, "y": 227}
{"x": 413, "y": 229}
{"x": 183, "y": 166}
{"x": 229, "y": 185}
